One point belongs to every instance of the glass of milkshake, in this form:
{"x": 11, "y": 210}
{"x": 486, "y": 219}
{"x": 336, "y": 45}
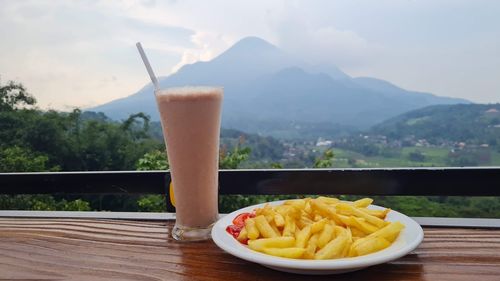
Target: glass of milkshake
{"x": 190, "y": 118}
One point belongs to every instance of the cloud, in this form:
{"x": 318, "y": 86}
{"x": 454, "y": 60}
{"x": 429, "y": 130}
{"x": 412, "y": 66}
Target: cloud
{"x": 82, "y": 53}
{"x": 208, "y": 45}
{"x": 318, "y": 41}
{"x": 67, "y": 52}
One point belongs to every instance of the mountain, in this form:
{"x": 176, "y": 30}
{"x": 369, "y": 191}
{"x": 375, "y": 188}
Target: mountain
{"x": 267, "y": 90}
{"x": 469, "y": 123}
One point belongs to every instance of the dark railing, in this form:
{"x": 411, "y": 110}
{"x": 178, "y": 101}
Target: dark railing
{"x": 484, "y": 181}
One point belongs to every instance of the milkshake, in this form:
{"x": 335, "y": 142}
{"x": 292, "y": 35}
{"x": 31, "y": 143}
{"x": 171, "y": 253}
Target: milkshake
{"x": 190, "y": 118}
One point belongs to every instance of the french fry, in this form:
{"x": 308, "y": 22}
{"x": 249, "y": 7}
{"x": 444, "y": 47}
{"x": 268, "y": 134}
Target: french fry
{"x": 325, "y": 210}
{"x": 279, "y": 220}
{"x": 320, "y": 207}
{"x": 297, "y": 203}
{"x": 332, "y": 223}
{"x": 325, "y": 236}
{"x": 243, "y": 235}
{"x": 264, "y": 228}
{"x": 334, "y": 248}
{"x": 362, "y": 203}
{"x": 328, "y": 200}
{"x": 276, "y": 242}
{"x": 345, "y": 220}
{"x": 389, "y": 232}
{"x": 381, "y": 214}
{"x": 347, "y": 247}
{"x": 269, "y": 218}
{"x": 304, "y": 221}
{"x": 289, "y": 228}
{"x": 317, "y": 217}
{"x": 307, "y": 208}
{"x": 311, "y": 247}
{"x": 291, "y": 253}
{"x": 262, "y": 211}
{"x": 369, "y": 245}
{"x": 350, "y": 210}
{"x": 287, "y": 210}
{"x": 269, "y": 213}
{"x": 362, "y": 225}
{"x": 275, "y": 228}
{"x": 356, "y": 233}
{"x": 296, "y": 233}
{"x": 303, "y": 236}
{"x": 251, "y": 228}
{"x": 318, "y": 225}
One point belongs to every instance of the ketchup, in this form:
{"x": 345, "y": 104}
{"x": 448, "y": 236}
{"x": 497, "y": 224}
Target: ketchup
{"x": 238, "y": 225}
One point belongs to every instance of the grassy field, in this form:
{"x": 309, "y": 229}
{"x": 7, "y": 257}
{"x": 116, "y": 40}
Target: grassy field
{"x": 495, "y": 159}
{"x": 434, "y": 157}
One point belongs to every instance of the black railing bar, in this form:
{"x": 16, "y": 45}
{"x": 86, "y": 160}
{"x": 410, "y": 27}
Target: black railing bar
{"x": 475, "y": 181}
{"x": 423, "y": 221}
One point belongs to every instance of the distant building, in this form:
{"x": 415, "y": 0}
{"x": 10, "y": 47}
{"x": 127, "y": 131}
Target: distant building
{"x": 324, "y": 143}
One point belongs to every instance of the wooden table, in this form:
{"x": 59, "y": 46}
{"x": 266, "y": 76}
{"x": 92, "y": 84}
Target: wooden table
{"x": 100, "y": 249}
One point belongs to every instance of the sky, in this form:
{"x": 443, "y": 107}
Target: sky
{"x": 82, "y": 53}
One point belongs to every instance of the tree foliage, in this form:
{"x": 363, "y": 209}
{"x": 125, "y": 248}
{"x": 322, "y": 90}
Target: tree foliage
{"x": 154, "y": 160}
{"x": 74, "y": 143}
{"x": 42, "y": 203}
{"x": 17, "y": 159}
{"x": 325, "y": 161}
{"x": 14, "y": 96}
{"x": 232, "y": 159}
{"x": 473, "y": 123}
{"x": 32, "y": 140}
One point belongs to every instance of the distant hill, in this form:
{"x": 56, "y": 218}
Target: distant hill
{"x": 264, "y": 87}
{"x": 263, "y": 148}
{"x": 469, "y": 123}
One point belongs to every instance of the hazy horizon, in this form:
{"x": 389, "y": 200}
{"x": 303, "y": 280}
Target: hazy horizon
{"x": 82, "y": 53}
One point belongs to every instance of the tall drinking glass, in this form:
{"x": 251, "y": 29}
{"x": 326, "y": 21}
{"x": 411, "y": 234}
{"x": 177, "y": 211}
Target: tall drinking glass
{"x": 190, "y": 117}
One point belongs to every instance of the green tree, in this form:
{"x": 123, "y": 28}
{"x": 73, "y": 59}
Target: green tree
{"x": 17, "y": 159}
{"x": 154, "y": 160}
{"x": 41, "y": 202}
{"x": 14, "y": 96}
{"x": 232, "y": 159}
{"x": 325, "y": 161}
{"x": 152, "y": 203}
{"x": 276, "y": 165}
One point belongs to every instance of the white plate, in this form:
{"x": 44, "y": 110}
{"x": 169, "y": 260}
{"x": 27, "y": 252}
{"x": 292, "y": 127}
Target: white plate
{"x": 409, "y": 238}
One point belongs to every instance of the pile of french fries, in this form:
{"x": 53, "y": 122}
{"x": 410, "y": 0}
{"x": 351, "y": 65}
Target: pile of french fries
{"x": 320, "y": 228}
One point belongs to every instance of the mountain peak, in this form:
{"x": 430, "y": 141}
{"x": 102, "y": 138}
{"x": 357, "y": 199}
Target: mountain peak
{"x": 251, "y": 46}
{"x": 263, "y": 80}
{"x": 253, "y": 42}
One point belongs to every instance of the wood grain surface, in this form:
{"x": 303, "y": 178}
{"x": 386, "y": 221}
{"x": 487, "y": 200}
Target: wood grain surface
{"x": 92, "y": 249}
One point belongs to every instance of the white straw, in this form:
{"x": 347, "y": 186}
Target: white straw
{"x": 148, "y": 66}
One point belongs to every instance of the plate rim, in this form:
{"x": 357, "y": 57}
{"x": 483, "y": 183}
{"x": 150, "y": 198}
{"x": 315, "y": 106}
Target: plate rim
{"x": 218, "y": 233}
